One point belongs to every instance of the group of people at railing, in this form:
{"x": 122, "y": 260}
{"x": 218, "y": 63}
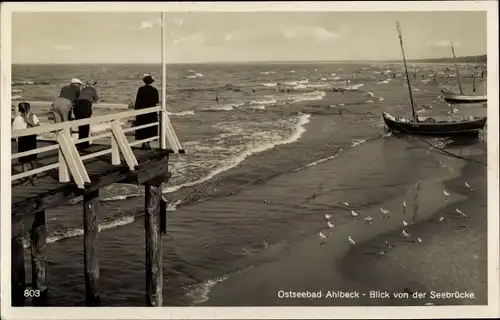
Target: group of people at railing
{"x": 75, "y": 102}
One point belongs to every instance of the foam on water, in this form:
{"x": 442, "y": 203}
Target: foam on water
{"x": 54, "y": 237}
{"x": 296, "y": 82}
{"x": 121, "y": 197}
{"x": 357, "y": 142}
{"x": 224, "y": 107}
{"x": 199, "y": 292}
{"x": 121, "y": 221}
{"x": 267, "y": 101}
{"x": 269, "y": 84}
{"x": 314, "y": 163}
{"x": 355, "y": 86}
{"x": 182, "y": 113}
{"x": 263, "y": 102}
{"x": 383, "y": 82}
{"x": 299, "y": 130}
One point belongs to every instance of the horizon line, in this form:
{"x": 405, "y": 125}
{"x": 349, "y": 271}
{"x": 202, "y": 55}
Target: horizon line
{"x": 250, "y": 62}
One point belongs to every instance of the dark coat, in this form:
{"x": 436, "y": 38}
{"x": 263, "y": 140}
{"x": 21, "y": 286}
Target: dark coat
{"x": 70, "y": 92}
{"x": 147, "y": 97}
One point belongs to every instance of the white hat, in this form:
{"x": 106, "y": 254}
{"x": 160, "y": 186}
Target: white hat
{"x": 76, "y": 81}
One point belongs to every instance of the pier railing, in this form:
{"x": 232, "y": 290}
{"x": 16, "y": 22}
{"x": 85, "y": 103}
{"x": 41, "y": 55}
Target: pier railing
{"x": 71, "y": 164}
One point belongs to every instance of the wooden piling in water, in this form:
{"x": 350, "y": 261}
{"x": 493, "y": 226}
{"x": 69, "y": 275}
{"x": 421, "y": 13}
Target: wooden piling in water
{"x": 154, "y": 270}
{"x": 38, "y": 239}
{"x": 18, "y": 276}
{"x": 91, "y": 260}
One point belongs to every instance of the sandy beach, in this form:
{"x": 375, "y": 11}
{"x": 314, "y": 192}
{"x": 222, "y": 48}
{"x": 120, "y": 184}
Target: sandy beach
{"x": 451, "y": 256}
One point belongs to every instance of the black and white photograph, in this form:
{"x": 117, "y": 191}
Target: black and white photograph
{"x": 208, "y": 155}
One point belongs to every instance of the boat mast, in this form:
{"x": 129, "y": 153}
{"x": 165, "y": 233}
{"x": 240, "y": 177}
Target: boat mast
{"x": 406, "y": 71}
{"x": 456, "y": 68}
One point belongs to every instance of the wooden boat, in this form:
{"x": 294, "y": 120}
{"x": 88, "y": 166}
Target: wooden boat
{"x": 429, "y": 126}
{"x": 432, "y": 127}
{"x": 461, "y": 97}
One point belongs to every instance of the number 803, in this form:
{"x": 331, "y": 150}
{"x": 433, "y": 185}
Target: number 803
{"x": 31, "y": 293}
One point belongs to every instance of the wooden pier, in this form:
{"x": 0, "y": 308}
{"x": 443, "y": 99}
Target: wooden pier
{"x": 63, "y": 173}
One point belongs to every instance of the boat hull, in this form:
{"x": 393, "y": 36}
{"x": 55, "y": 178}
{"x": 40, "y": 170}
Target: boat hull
{"x": 462, "y": 128}
{"x": 462, "y": 98}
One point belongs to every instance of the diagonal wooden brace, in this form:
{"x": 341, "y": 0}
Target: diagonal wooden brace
{"x": 71, "y": 160}
{"x": 123, "y": 146}
{"x": 170, "y": 135}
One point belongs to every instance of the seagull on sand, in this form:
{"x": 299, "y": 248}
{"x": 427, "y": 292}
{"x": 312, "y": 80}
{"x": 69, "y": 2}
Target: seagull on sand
{"x": 468, "y": 186}
{"x": 368, "y": 219}
{"x": 351, "y": 241}
{"x": 405, "y": 234}
{"x": 405, "y": 223}
{"x": 353, "y": 213}
{"x": 446, "y": 194}
{"x": 419, "y": 240}
{"x": 346, "y": 203}
{"x": 330, "y": 225}
{"x": 404, "y": 204}
{"x": 322, "y": 236}
{"x": 383, "y": 210}
{"x": 441, "y": 219}
{"x": 461, "y": 212}
{"x": 328, "y": 216}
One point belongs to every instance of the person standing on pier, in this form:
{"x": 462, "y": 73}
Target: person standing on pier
{"x": 83, "y": 110}
{"x": 147, "y": 97}
{"x": 62, "y": 106}
{"x": 26, "y": 119}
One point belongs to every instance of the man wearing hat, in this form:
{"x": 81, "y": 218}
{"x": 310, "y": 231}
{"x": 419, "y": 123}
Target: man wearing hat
{"x": 64, "y": 103}
{"x": 147, "y": 97}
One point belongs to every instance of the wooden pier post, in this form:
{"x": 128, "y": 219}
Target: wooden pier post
{"x": 18, "y": 276}
{"x": 38, "y": 239}
{"x": 154, "y": 271}
{"x": 163, "y": 216}
{"x": 91, "y": 261}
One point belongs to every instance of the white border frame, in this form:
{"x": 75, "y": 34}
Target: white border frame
{"x": 492, "y": 310}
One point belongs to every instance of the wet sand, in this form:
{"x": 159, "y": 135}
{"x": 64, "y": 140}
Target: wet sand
{"x": 451, "y": 256}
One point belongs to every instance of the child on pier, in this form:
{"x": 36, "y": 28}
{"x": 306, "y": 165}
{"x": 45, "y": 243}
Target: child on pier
{"x": 26, "y": 119}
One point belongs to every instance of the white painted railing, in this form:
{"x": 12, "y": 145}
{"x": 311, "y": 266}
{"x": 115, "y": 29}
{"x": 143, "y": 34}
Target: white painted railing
{"x": 70, "y": 162}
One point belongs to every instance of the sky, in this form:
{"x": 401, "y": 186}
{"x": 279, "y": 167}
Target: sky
{"x": 197, "y": 37}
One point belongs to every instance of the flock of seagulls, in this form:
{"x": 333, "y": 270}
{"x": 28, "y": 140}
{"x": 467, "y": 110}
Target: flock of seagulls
{"x": 385, "y": 215}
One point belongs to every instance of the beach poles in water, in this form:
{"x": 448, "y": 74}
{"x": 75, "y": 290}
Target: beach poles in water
{"x": 91, "y": 207}
{"x": 152, "y": 227}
